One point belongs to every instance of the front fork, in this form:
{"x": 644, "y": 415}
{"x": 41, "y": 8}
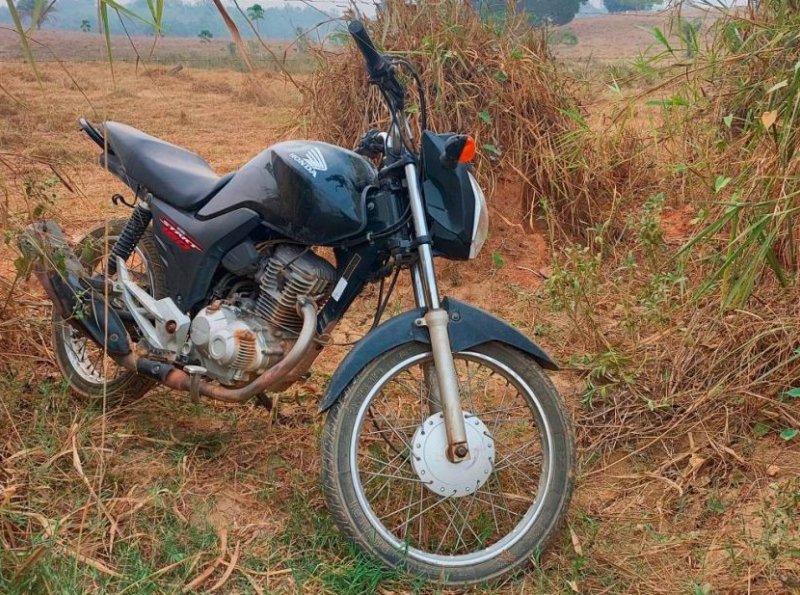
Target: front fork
{"x": 444, "y": 392}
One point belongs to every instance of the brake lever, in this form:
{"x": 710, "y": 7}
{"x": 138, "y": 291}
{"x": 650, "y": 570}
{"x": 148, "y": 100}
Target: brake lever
{"x": 387, "y": 81}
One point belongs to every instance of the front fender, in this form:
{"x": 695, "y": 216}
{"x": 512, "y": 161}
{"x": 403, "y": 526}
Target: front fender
{"x": 468, "y": 327}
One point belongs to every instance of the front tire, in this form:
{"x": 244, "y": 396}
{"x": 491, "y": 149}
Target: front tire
{"x": 90, "y": 374}
{"x": 503, "y": 505}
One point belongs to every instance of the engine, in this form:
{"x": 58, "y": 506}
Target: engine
{"x": 290, "y": 273}
{"x": 236, "y": 339}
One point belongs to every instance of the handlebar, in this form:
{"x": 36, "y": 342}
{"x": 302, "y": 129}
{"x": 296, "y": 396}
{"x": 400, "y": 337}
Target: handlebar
{"x": 377, "y": 65}
{"x": 380, "y": 69}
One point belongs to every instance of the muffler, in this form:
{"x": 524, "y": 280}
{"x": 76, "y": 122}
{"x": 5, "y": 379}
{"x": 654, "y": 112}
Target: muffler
{"x": 66, "y": 282}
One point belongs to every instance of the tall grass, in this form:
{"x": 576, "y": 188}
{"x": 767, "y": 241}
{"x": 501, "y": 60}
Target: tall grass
{"x": 746, "y": 86}
{"x": 153, "y": 18}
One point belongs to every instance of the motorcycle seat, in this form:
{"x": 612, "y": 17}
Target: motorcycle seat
{"x": 177, "y": 176}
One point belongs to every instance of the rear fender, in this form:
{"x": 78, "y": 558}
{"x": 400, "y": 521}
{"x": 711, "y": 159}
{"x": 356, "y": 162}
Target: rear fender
{"x": 469, "y": 327}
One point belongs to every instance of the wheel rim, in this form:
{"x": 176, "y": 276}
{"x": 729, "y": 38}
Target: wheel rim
{"x": 460, "y": 530}
{"x": 87, "y": 359}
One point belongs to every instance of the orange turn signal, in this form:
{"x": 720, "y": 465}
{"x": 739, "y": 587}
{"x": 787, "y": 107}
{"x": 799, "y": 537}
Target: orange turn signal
{"x": 468, "y": 152}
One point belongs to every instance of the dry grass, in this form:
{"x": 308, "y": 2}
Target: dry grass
{"x": 732, "y": 113}
{"x": 685, "y": 484}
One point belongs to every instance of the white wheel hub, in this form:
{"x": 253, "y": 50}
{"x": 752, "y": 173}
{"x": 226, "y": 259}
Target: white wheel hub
{"x": 435, "y": 470}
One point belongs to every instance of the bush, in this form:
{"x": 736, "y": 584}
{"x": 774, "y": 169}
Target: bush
{"x": 562, "y": 37}
{"x": 499, "y": 82}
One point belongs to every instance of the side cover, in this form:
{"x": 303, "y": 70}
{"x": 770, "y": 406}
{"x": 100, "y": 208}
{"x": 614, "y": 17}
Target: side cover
{"x": 468, "y": 327}
{"x": 191, "y": 250}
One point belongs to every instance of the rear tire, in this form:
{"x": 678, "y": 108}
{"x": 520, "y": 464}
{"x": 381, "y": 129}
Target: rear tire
{"x": 90, "y": 374}
{"x": 483, "y": 557}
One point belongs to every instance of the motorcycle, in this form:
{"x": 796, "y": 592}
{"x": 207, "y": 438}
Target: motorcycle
{"x": 447, "y": 451}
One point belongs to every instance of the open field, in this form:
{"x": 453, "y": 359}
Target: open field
{"x": 617, "y": 37}
{"x": 148, "y": 499}
{"x": 74, "y": 46}
{"x": 600, "y": 40}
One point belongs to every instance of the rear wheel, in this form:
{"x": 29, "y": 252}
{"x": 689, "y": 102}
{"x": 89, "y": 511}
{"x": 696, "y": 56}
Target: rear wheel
{"x": 90, "y": 373}
{"x": 391, "y": 489}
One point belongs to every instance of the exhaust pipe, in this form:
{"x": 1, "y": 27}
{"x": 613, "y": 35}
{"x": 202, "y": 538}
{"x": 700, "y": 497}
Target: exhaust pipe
{"x": 66, "y": 282}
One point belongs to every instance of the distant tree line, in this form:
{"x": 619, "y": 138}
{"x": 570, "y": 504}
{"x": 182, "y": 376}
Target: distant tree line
{"x": 36, "y": 12}
{"x": 559, "y": 12}
{"x": 623, "y": 5}
{"x": 181, "y": 19}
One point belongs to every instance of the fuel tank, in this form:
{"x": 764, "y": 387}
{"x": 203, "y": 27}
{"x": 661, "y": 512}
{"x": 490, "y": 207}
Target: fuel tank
{"x": 308, "y": 191}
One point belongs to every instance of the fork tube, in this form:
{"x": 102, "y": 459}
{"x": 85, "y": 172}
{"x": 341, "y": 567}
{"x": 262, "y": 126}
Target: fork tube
{"x": 428, "y": 371}
{"x": 420, "y": 295}
{"x": 421, "y": 230}
{"x": 436, "y": 319}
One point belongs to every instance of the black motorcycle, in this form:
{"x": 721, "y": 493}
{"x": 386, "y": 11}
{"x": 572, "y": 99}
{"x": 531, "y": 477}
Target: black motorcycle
{"x": 447, "y": 451}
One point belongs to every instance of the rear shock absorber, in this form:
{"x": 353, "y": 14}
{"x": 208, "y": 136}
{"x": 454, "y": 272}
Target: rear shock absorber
{"x": 130, "y": 236}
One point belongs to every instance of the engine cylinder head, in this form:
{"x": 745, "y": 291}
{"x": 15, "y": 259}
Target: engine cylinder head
{"x": 292, "y": 272}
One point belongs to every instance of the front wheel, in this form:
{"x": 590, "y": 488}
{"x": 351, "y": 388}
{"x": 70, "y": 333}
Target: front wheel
{"x": 392, "y": 490}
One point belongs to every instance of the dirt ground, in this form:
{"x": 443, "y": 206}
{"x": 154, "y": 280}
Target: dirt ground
{"x": 150, "y": 498}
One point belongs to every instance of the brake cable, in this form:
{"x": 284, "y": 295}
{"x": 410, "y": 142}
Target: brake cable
{"x": 382, "y": 303}
{"x": 423, "y": 102}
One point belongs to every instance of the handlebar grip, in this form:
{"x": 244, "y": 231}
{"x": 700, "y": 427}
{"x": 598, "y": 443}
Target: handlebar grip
{"x": 376, "y": 63}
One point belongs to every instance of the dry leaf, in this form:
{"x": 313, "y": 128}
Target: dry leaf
{"x": 574, "y": 586}
{"x": 769, "y": 118}
{"x": 695, "y": 462}
{"x": 7, "y": 494}
{"x": 576, "y": 545}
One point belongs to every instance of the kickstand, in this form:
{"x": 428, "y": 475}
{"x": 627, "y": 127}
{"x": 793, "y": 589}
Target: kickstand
{"x": 264, "y": 400}
{"x": 273, "y": 414}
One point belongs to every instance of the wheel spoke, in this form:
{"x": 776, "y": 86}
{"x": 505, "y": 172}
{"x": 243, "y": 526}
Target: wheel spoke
{"x": 521, "y": 472}
{"x": 429, "y": 508}
{"x": 400, "y": 477}
{"x": 499, "y": 466}
{"x": 402, "y": 437}
{"x": 385, "y": 465}
{"x": 382, "y": 432}
{"x": 447, "y": 530}
{"x": 500, "y": 410}
{"x": 465, "y": 524}
{"x": 495, "y": 506}
{"x": 468, "y": 390}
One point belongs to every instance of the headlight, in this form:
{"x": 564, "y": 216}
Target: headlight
{"x": 480, "y": 228}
